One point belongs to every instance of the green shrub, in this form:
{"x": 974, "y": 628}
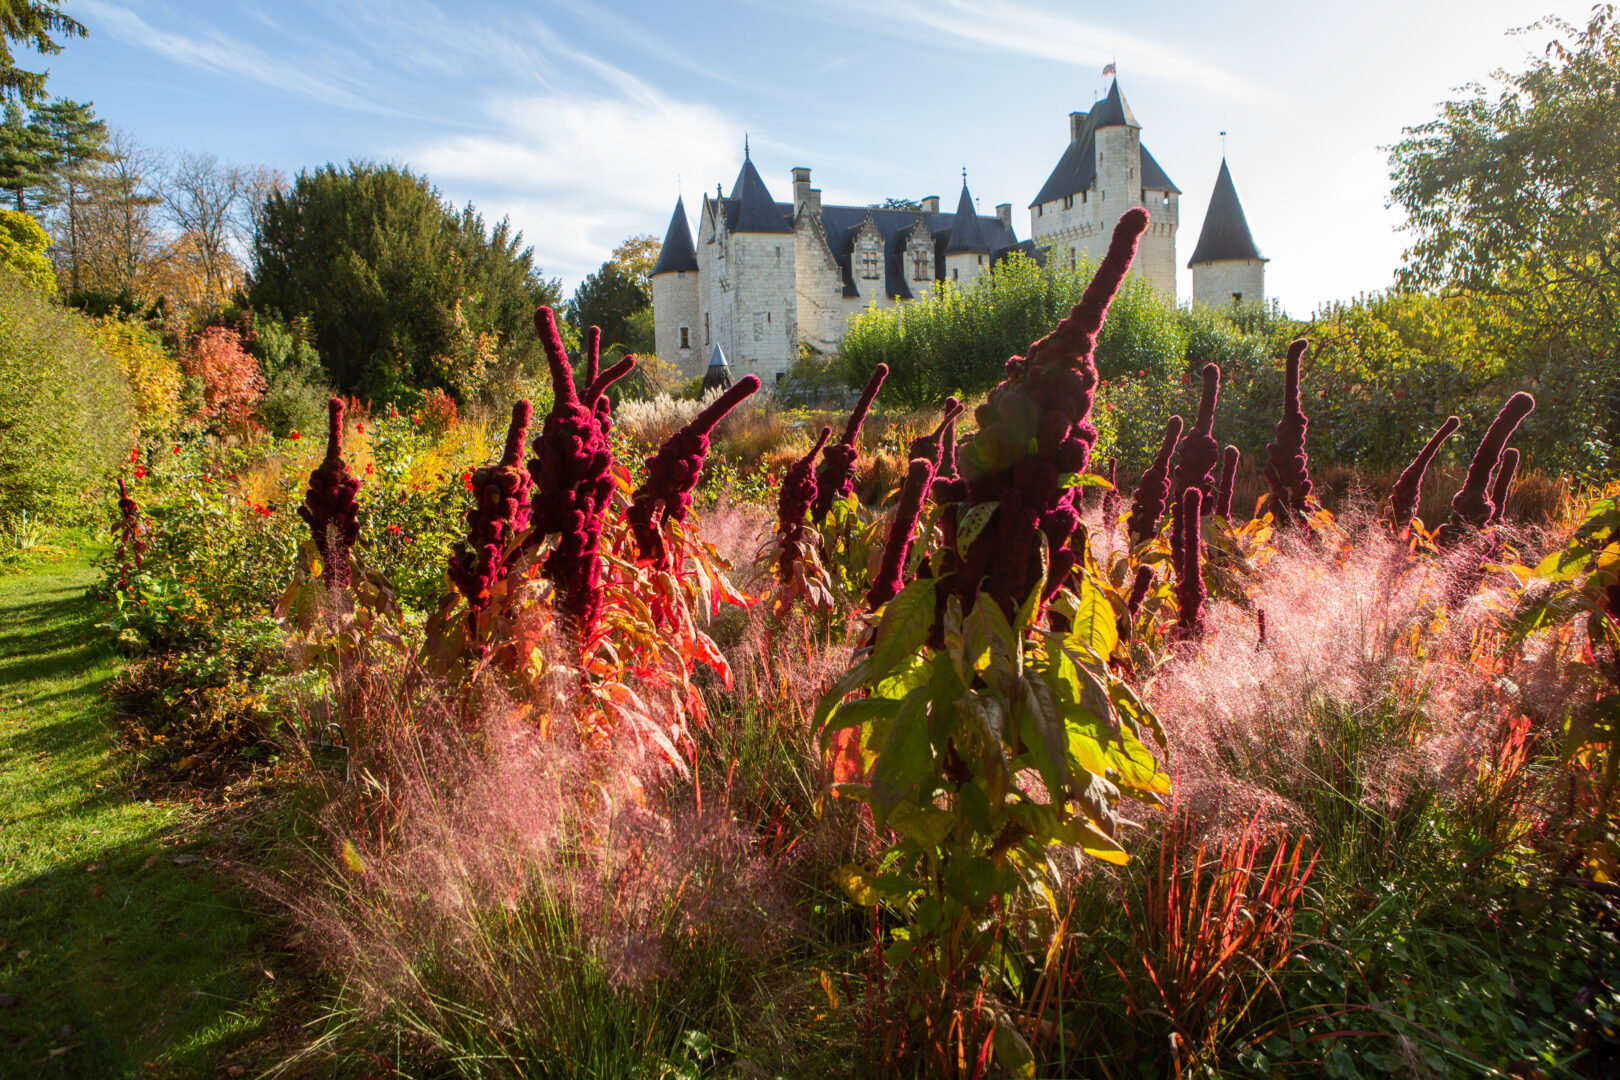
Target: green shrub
{"x": 65, "y": 412}
{"x": 22, "y": 248}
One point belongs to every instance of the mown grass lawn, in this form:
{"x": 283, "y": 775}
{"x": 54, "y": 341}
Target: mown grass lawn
{"x": 124, "y": 951}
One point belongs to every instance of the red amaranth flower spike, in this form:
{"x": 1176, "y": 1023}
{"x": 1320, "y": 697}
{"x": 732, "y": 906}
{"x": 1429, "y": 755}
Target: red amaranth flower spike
{"x": 1286, "y": 470}
{"x": 1034, "y": 428}
{"x": 1504, "y": 480}
{"x": 1190, "y": 592}
{"x": 897, "y": 549}
{"x": 1139, "y": 589}
{"x": 939, "y": 447}
{"x": 572, "y": 473}
{"x": 330, "y": 507}
{"x": 1196, "y": 458}
{"x": 1472, "y": 505}
{"x": 835, "y": 476}
{"x": 1147, "y": 505}
{"x": 672, "y": 473}
{"x": 1223, "y": 490}
{"x": 501, "y": 512}
{"x": 1408, "y": 489}
{"x": 793, "y": 502}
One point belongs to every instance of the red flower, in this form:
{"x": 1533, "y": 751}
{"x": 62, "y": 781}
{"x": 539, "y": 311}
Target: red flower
{"x": 360, "y": 427}
{"x": 140, "y": 472}
{"x": 177, "y": 449}
{"x": 262, "y": 511}
{"x": 393, "y": 528}
{"x": 294, "y": 436}
{"x": 368, "y": 468}
{"x": 466, "y": 480}
{"x": 135, "y": 455}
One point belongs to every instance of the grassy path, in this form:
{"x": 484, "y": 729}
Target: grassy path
{"x": 122, "y": 951}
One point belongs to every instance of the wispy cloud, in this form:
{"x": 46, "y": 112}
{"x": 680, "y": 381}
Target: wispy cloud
{"x": 226, "y": 55}
{"x": 1019, "y": 28}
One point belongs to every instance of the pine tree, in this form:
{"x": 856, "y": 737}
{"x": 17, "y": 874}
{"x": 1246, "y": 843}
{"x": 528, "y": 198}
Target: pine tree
{"x": 30, "y": 23}
{"x": 25, "y": 159}
{"x": 78, "y": 144}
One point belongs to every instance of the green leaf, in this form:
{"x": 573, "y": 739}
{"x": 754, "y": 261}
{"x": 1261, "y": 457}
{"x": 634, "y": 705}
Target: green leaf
{"x": 971, "y": 882}
{"x": 992, "y": 645}
{"x": 852, "y": 680}
{"x": 1046, "y": 738}
{"x": 972, "y": 523}
{"x": 1092, "y": 624}
{"x": 1025, "y": 614}
{"x": 857, "y": 712}
{"x": 906, "y": 756}
{"x": 928, "y": 825}
{"x": 1012, "y": 1050}
{"x": 1089, "y": 479}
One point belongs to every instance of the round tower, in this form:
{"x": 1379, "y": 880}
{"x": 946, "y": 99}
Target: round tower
{"x": 674, "y": 280}
{"x": 1227, "y": 267}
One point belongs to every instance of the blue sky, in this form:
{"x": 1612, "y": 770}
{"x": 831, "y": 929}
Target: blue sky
{"x": 580, "y": 120}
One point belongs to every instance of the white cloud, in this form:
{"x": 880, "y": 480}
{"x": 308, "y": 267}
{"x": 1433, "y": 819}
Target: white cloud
{"x": 578, "y": 173}
{"x": 1022, "y": 29}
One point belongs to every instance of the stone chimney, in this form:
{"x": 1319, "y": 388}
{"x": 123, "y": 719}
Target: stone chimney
{"x": 930, "y": 204}
{"x": 1004, "y": 215}
{"x": 801, "y": 187}
{"x": 1077, "y": 120}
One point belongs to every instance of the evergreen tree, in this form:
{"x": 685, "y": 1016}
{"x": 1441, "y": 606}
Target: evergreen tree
{"x": 392, "y": 279}
{"x": 32, "y": 24}
{"x": 608, "y": 298}
{"x": 25, "y": 159}
{"x": 78, "y": 147}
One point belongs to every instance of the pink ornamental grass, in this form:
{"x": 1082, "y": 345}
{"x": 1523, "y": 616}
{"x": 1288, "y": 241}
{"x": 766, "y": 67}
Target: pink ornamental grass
{"x": 501, "y": 512}
{"x": 573, "y": 481}
{"x": 1147, "y": 504}
{"x": 1034, "y": 428}
{"x": 1408, "y": 489}
{"x": 835, "y": 476}
{"x": 330, "y": 507}
{"x": 1286, "y": 469}
{"x": 672, "y": 474}
{"x": 1472, "y": 505}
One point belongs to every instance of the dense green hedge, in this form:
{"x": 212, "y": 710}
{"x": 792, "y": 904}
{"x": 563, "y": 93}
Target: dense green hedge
{"x": 65, "y": 411}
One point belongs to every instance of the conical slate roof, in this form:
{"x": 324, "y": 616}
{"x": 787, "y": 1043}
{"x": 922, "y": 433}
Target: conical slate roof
{"x": 756, "y": 212}
{"x": 965, "y": 232}
{"x": 678, "y": 252}
{"x": 718, "y": 375}
{"x": 1113, "y": 111}
{"x": 1226, "y": 231}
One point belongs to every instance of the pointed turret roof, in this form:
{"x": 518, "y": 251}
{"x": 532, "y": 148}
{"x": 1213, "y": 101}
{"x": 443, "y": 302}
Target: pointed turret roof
{"x": 1077, "y": 168}
{"x": 966, "y": 235}
{"x": 678, "y": 252}
{"x": 756, "y": 211}
{"x": 1225, "y": 234}
{"x": 718, "y": 374}
{"x": 1113, "y": 111}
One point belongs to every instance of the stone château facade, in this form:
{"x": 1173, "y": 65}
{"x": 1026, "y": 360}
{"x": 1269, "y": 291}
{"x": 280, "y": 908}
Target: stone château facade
{"x": 762, "y": 276}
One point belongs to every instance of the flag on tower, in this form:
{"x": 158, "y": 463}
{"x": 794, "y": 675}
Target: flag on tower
{"x": 1109, "y": 70}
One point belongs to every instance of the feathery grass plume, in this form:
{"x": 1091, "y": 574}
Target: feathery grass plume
{"x": 1110, "y": 499}
{"x": 131, "y": 528}
{"x": 1260, "y": 622}
{"x": 500, "y": 513}
{"x": 1408, "y": 489}
{"x": 1190, "y": 591}
{"x": 1472, "y": 505}
{"x": 572, "y": 471}
{"x": 672, "y": 473}
{"x": 1223, "y": 490}
{"x": 1499, "y": 487}
{"x": 835, "y": 476}
{"x": 793, "y": 502}
{"x": 1034, "y": 428}
{"x": 329, "y": 506}
{"x": 897, "y": 549}
{"x": 1286, "y": 467}
{"x": 1139, "y": 589}
{"x": 1147, "y": 504}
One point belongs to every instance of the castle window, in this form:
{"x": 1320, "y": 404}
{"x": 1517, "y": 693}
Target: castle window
{"x": 919, "y": 265}
{"x": 981, "y": 260}
{"x": 1082, "y": 196}
{"x": 954, "y": 275}
{"x": 686, "y": 337}
{"x": 869, "y": 264}
{"x": 706, "y": 338}
{"x": 1068, "y": 202}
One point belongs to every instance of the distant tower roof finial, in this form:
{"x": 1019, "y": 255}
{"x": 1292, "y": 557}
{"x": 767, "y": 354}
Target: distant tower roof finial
{"x": 964, "y": 176}
{"x": 1223, "y": 144}
{"x": 745, "y": 146}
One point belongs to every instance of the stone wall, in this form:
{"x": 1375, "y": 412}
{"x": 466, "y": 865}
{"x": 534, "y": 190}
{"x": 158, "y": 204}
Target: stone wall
{"x": 1216, "y": 283}
{"x": 676, "y": 304}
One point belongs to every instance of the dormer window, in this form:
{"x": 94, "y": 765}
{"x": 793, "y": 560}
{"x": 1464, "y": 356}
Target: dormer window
{"x": 919, "y": 265}
{"x": 869, "y": 264}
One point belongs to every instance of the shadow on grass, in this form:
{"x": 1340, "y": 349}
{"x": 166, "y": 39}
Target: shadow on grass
{"x": 115, "y": 958}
